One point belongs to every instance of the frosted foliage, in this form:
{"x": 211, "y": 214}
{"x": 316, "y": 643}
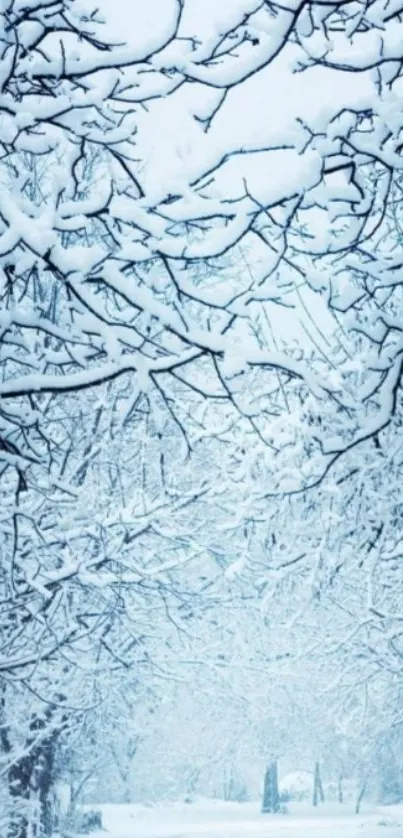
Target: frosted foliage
{"x": 126, "y": 234}
{"x": 200, "y": 400}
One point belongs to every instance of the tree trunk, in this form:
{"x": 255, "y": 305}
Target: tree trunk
{"x": 42, "y": 779}
{"x": 271, "y": 796}
{"x": 30, "y": 786}
{"x": 18, "y": 784}
{"x": 340, "y": 789}
{"x": 361, "y": 793}
{"x": 16, "y": 776}
{"x": 318, "y": 793}
{"x": 30, "y": 782}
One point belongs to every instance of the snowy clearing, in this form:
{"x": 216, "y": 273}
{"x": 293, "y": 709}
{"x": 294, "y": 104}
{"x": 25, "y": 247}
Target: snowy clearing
{"x": 234, "y": 820}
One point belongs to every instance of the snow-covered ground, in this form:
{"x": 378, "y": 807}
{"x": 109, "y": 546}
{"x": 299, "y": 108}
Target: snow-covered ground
{"x": 228, "y": 820}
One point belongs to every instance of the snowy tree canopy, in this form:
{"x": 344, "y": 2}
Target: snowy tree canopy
{"x": 114, "y": 232}
{"x": 200, "y": 312}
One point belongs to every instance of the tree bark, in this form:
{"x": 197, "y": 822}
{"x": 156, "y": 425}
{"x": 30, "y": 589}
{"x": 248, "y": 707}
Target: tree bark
{"x": 318, "y": 793}
{"x": 361, "y": 793}
{"x": 271, "y": 796}
{"x": 30, "y": 782}
{"x": 340, "y": 789}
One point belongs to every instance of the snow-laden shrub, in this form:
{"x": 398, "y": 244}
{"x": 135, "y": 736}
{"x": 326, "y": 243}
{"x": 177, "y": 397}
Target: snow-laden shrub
{"x": 86, "y": 822}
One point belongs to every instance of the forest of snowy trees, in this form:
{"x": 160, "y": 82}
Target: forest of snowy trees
{"x": 201, "y": 451}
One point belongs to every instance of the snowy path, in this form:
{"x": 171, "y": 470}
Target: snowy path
{"x": 213, "y": 820}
